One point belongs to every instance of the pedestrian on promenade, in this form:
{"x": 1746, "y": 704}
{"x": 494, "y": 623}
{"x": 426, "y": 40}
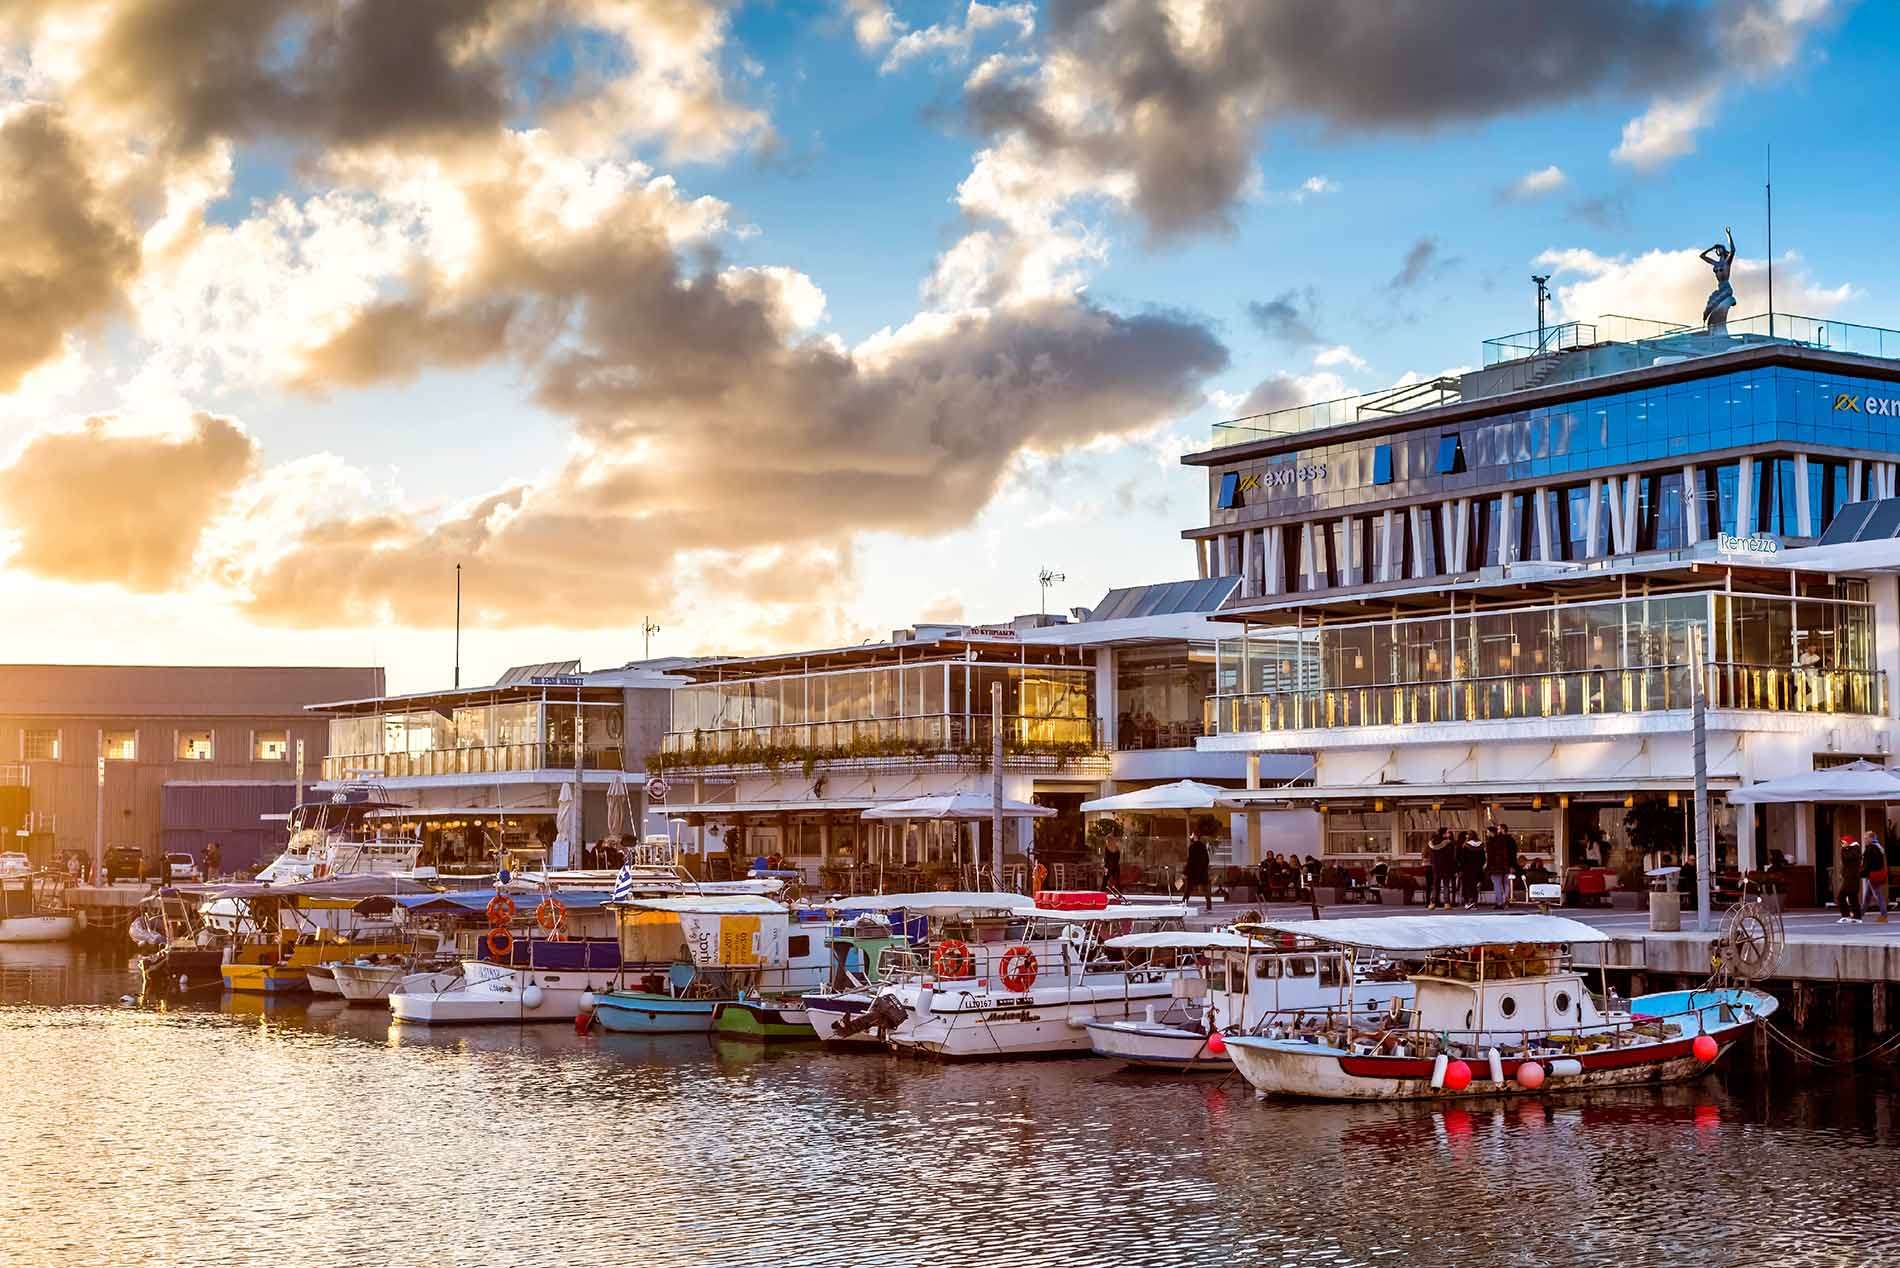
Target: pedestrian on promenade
{"x": 1873, "y": 868}
{"x": 1198, "y": 874}
{"x": 1498, "y": 862}
{"x": 1848, "y": 900}
{"x": 213, "y": 857}
{"x": 1435, "y": 870}
{"x": 1471, "y": 868}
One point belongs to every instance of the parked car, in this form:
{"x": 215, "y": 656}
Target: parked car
{"x": 13, "y": 863}
{"x": 124, "y": 862}
{"x": 182, "y": 867}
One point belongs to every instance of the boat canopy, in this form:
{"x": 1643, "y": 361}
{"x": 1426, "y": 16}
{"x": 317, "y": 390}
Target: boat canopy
{"x": 708, "y": 905}
{"x": 367, "y": 885}
{"x": 1434, "y": 933}
{"x": 476, "y": 900}
{"x": 938, "y": 903}
{"x": 1185, "y": 940}
{"x": 1115, "y": 911}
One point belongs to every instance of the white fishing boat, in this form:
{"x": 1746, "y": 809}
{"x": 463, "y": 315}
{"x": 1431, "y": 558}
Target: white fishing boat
{"x": 1498, "y": 1009}
{"x": 32, "y": 908}
{"x": 1234, "y": 983}
{"x": 370, "y": 979}
{"x": 840, "y": 1012}
{"x": 346, "y": 834}
{"x": 547, "y": 972}
{"x": 1034, "y": 993}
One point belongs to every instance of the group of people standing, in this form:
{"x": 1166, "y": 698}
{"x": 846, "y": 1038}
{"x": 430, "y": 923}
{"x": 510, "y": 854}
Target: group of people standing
{"x": 1459, "y": 867}
{"x": 1863, "y": 874}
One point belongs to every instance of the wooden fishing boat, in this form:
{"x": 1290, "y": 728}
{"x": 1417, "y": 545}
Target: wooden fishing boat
{"x": 765, "y": 1020}
{"x": 1498, "y": 1010}
{"x": 735, "y": 947}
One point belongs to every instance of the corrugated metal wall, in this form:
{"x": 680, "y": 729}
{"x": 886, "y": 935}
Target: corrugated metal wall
{"x": 194, "y": 815}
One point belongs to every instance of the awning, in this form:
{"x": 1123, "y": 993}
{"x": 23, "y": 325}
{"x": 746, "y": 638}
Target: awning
{"x": 1115, "y": 911}
{"x": 344, "y": 887}
{"x": 1183, "y": 794}
{"x": 1476, "y": 790}
{"x": 460, "y": 812}
{"x": 1433, "y": 933}
{"x": 955, "y": 806}
{"x": 709, "y": 904}
{"x": 722, "y": 809}
{"x": 944, "y": 901}
{"x": 1856, "y": 781}
{"x": 1184, "y": 940}
{"x": 477, "y": 900}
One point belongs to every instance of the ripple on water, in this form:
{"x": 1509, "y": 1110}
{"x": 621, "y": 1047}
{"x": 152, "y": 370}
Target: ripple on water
{"x": 313, "y": 1133}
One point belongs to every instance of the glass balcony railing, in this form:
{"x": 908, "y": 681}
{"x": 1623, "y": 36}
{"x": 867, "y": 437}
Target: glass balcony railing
{"x": 934, "y": 735}
{"x": 1553, "y": 694}
{"x": 485, "y": 760}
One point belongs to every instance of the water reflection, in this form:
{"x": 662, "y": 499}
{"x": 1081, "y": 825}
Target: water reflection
{"x": 237, "y": 1131}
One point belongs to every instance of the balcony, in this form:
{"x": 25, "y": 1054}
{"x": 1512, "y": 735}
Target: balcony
{"x": 474, "y": 760}
{"x": 935, "y": 737}
{"x": 1553, "y": 694}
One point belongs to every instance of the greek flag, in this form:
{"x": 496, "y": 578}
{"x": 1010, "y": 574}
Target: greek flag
{"x": 623, "y": 883}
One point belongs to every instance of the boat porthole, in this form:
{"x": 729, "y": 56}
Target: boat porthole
{"x": 1507, "y": 1005}
{"x": 1563, "y": 1001}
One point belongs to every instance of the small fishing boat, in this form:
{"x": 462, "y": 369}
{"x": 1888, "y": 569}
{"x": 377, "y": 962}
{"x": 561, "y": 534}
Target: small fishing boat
{"x": 1241, "y": 983}
{"x": 1497, "y": 1010}
{"x": 766, "y": 1020}
{"x": 180, "y": 951}
{"x": 32, "y": 908}
{"x": 736, "y": 948}
{"x": 369, "y": 979}
{"x": 541, "y": 961}
{"x": 873, "y": 936}
{"x": 283, "y": 931}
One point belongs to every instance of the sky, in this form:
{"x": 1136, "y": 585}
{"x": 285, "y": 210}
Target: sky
{"x": 788, "y": 323}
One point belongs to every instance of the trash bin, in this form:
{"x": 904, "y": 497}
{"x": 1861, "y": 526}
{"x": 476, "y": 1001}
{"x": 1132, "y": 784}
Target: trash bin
{"x": 1665, "y": 911}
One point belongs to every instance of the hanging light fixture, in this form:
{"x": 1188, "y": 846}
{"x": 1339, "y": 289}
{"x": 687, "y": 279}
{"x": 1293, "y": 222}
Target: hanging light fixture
{"x": 1629, "y": 801}
{"x": 1358, "y": 659}
{"x": 1675, "y": 799}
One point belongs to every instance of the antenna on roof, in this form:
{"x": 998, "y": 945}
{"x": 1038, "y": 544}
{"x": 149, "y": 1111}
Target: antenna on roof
{"x": 1543, "y": 295}
{"x": 1769, "y": 189}
{"x": 458, "y": 627}
{"x": 1048, "y": 577}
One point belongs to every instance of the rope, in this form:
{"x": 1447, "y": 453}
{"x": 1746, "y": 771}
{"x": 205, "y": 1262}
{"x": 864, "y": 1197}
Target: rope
{"x": 1800, "y": 1049}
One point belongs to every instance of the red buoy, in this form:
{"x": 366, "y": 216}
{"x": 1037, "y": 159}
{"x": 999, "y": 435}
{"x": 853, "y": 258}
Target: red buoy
{"x": 1705, "y": 1048}
{"x": 1457, "y": 1076}
{"x": 1530, "y": 1076}
{"x": 1216, "y": 1044}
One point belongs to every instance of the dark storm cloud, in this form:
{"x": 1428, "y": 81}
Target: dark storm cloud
{"x": 1422, "y": 260}
{"x": 1184, "y": 116}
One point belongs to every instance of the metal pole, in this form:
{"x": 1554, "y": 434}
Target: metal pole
{"x": 580, "y": 802}
{"x": 99, "y": 818}
{"x": 458, "y": 627}
{"x": 1701, "y": 733}
{"x": 996, "y": 786}
{"x": 298, "y": 769}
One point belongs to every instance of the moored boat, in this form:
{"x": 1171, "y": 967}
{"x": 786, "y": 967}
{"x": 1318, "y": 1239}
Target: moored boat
{"x": 873, "y": 937}
{"x": 766, "y": 1020}
{"x": 1498, "y": 1010}
{"x": 30, "y": 909}
{"x": 736, "y": 948}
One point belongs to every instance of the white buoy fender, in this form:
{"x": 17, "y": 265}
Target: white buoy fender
{"x": 531, "y": 995}
{"x": 1438, "y": 1070}
{"x": 1565, "y": 1068}
{"x": 1497, "y": 1065}
{"x": 587, "y": 1001}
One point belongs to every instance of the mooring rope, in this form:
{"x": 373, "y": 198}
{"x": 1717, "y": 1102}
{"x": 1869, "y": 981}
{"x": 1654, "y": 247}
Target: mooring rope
{"x": 1802, "y": 1050}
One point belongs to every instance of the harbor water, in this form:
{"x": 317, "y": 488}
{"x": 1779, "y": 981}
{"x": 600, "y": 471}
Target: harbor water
{"x": 237, "y": 1132}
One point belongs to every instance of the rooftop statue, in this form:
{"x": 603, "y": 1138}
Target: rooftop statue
{"x": 1722, "y": 298}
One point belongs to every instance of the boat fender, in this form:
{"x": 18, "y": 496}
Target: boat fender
{"x": 1565, "y": 1068}
{"x": 531, "y": 995}
{"x": 587, "y": 1001}
{"x": 1497, "y": 1065}
{"x": 1438, "y": 1071}
{"x": 925, "y": 995}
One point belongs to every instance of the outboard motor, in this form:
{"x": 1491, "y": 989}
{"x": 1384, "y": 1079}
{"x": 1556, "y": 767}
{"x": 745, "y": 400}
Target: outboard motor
{"x": 885, "y": 1013}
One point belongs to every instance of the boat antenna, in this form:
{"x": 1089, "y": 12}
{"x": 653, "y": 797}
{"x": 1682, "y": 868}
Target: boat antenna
{"x": 1769, "y": 189}
{"x": 458, "y": 627}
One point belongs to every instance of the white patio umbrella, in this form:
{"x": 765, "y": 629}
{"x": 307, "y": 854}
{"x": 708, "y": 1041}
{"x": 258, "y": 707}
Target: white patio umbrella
{"x": 1856, "y": 781}
{"x": 961, "y": 807}
{"x": 617, "y": 806}
{"x": 564, "y": 829}
{"x": 1185, "y": 795}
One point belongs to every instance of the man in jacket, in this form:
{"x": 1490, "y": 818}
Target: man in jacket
{"x": 1848, "y": 900}
{"x": 1873, "y": 870}
{"x": 1500, "y": 857}
{"x": 1198, "y": 872}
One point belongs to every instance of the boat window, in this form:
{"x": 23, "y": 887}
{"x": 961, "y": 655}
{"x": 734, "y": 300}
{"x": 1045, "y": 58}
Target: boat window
{"x": 1332, "y": 971}
{"x": 1562, "y": 1001}
{"x": 799, "y": 945}
{"x": 1266, "y": 966}
{"x": 1300, "y": 966}
{"x": 1507, "y": 1004}
{"x": 1236, "y": 978}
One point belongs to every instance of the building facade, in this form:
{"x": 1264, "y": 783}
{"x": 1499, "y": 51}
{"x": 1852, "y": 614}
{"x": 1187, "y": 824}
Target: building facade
{"x": 1492, "y": 597}
{"x": 87, "y": 752}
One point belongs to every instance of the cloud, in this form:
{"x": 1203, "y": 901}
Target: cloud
{"x": 1290, "y": 317}
{"x": 1423, "y": 260}
{"x": 1533, "y": 185}
{"x": 1287, "y": 391}
{"x": 1172, "y": 98}
{"x": 1602, "y": 211}
{"x": 1666, "y": 130}
{"x": 66, "y": 255}
{"x": 954, "y": 40}
{"x": 1673, "y": 285}
{"x": 107, "y": 503}
{"x": 1339, "y": 354}
{"x": 873, "y": 24}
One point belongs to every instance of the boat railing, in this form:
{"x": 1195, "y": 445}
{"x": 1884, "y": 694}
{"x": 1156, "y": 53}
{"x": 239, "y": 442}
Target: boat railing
{"x": 1057, "y": 960}
{"x": 1347, "y": 1027}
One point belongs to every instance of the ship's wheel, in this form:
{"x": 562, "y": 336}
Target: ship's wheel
{"x": 1751, "y": 941}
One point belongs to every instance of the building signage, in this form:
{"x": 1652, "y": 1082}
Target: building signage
{"x": 557, "y": 680}
{"x": 1757, "y": 544}
{"x": 1282, "y": 477}
{"x": 991, "y": 631}
{"x": 657, "y": 789}
{"x": 1879, "y": 406}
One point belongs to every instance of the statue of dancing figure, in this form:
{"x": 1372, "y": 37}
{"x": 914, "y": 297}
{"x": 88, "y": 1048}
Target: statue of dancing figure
{"x": 1722, "y": 298}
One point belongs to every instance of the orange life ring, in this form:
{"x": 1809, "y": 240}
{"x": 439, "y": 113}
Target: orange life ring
{"x": 551, "y": 914}
{"x": 952, "y": 959}
{"x": 500, "y": 942}
{"x": 1018, "y": 969}
{"x": 501, "y": 910}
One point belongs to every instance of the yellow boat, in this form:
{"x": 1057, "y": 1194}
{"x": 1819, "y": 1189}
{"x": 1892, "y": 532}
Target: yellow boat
{"x": 269, "y": 967}
{"x": 289, "y": 934}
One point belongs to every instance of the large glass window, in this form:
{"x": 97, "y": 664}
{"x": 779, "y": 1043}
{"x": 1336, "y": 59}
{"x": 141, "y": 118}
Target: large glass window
{"x": 1160, "y": 696}
{"x": 1576, "y": 522}
{"x": 1490, "y": 532}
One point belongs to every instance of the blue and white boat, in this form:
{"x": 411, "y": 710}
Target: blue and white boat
{"x": 684, "y": 956}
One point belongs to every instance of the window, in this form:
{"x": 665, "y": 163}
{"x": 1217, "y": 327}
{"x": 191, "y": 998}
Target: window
{"x": 1332, "y": 970}
{"x": 1236, "y": 978}
{"x": 1300, "y": 966}
{"x": 1507, "y": 1005}
{"x": 1382, "y": 465}
{"x": 798, "y": 946}
{"x": 270, "y": 746}
{"x": 122, "y": 746}
{"x": 1229, "y": 492}
{"x": 1451, "y": 456}
{"x": 39, "y": 746}
{"x": 1562, "y": 1001}
{"x": 1266, "y": 967}
{"x": 195, "y": 746}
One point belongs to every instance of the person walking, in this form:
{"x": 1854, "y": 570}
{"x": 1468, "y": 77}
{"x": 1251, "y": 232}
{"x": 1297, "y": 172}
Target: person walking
{"x": 1112, "y": 866}
{"x": 1440, "y": 869}
{"x": 1198, "y": 874}
{"x": 1848, "y": 900}
{"x": 1471, "y": 868}
{"x": 1873, "y": 870}
{"x": 1498, "y": 862}
{"x": 213, "y": 856}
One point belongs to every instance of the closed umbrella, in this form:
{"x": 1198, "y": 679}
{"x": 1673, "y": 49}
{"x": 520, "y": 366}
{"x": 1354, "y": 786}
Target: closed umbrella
{"x": 564, "y": 824}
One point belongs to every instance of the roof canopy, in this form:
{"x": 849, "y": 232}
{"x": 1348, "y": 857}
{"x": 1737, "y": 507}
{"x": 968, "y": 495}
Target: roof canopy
{"x": 709, "y": 905}
{"x": 351, "y": 887}
{"x": 955, "y": 806}
{"x": 1115, "y": 911}
{"x": 1857, "y": 781}
{"x": 1434, "y": 933}
{"x": 475, "y": 900}
{"x": 1183, "y": 794}
{"x": 1184, "y": 940}
{"x": 946, "y": 901}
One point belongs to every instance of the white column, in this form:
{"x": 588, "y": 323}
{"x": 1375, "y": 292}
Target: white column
{"x": 1691, "y": 508}
{"x": 1745, "y": 837}
{"x": 1273, "y": 565}
{"x": 1803, "y": 815}
{"x": 1246, "y": 564}
{"x": 1541, "y": 511}
{"x": 1458, "y": 521}
{"x": 1421, "y": 561}
{"x": 1253, "y": 816}
{"x": 1391, "y": 534}
{"x": 1309, "y": 561}
{"x": 1803, "y": 513}
{"x": 1630, "y": 484}
{"x": 1200, "y": 557}
{"x": 1594, "y": 526}
{"x": 1744, "y": 498}
{"x": 1507, "y": 531}
{"x": 1105, "y": 694}
{"x": 1856, "y": 492}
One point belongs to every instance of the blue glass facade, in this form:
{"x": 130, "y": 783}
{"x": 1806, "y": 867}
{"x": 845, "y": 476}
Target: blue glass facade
{"x": 1776, "y": 407}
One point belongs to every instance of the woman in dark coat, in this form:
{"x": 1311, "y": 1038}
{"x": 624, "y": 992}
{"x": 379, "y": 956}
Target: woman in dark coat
{"x": 1197, "y": 872}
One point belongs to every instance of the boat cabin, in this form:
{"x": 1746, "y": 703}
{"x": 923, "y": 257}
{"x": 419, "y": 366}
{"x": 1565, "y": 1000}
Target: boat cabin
{"x": 717, "y": 946}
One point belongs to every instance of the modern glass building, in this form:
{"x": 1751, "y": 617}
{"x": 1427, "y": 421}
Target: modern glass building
{"x": 1492, "y": 597}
